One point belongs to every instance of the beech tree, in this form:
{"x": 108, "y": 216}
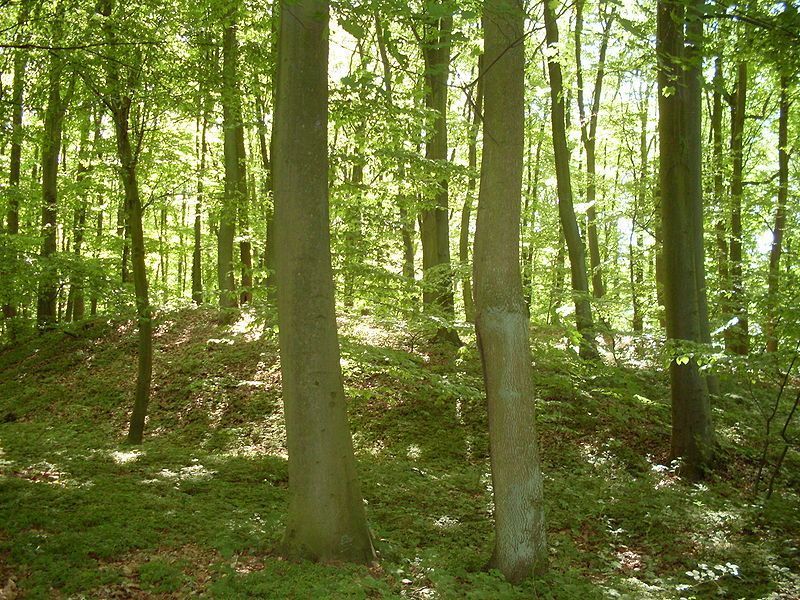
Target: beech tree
{"x": 326, "y": 518}
{"x": 681, "y": 205}
{"x": 501, "y": 314}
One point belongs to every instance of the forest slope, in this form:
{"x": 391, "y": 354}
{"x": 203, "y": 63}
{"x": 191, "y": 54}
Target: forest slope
{"x": 198, "y": 508}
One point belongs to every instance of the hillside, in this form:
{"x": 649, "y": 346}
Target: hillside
{"x": 199, "y": 507}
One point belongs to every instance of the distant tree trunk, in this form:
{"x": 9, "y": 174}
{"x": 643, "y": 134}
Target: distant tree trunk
{"x": 738, "y": 340}
{"x": 692, "y": 433}
{"x": 530, "y": 216}
{"x": 15, "y": 158}
{"x": 75, "y": 297}
{"x": 435, "y": 228}
{"x": 780, "y": 218}
{"x": 719, "y": 195}
{"x": 406, "y": 223}
{"x": 566, "y": 211}
{"x": 466, "y": 211}
{"x": 51, "y": 146}
{"x": 98, "y": 148}
{"x": 267, "y": 189}
{"x": 636, "y": 271}
{"x": 326, "y": 520}
{"x": 201, "y": 127}
{"x": 589, "y": 137}
{"x": 501, "y": 313}
{"x": 235, "y": 176}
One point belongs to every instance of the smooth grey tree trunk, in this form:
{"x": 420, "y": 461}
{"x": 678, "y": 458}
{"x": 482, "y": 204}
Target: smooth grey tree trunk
{"x": 692, "y": 432}
{"x": 326, "y": 520}
{"x": 520, "y": 548}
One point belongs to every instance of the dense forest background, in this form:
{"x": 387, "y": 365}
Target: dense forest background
{"x": 186, "y": 185}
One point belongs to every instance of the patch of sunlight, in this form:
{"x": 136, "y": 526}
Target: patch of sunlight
{"x": 163, "y": 328}
{"x": 595, "y": 456}
{"x": 122, "y": 458}
{"x": 3, "y": 462}
{"x": 643, "y": 400}
{"x": 193, "y": 472}
{"x": 46, "y": 472}
{"x": 667, "y": 475}
{"x": 637, "y": 589}
{"x": 413, "y": 452}
{"x": 212, "y": 342}
{"x": 446, "y": 522}
{"x": 246, "y": 326}
{"x": 717, "y": 525}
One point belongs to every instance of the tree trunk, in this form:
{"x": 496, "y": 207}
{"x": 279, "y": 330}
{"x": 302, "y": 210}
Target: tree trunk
{"x": 51, "y": 146}
{"x": 588, "y": 138}
{"x": 466, "y": 211}
{"x": 780, "y": 218}
{"x": 566, "y": 211}
{"x": 692, "y": 434}
{"x": 434, "y": 222}
{"x": 143, "y": 310}
{"x": 75, "y": 298}
{"x": 235, "y": 176}
{"x": 738, "y": 340}
{"x": 719, "y": 195}
{"x": 520, "y": 548}
{"x": 15, "y": 159}
{"x": 326, "y": 520}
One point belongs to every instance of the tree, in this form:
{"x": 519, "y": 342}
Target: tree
{"x": 235, "y": 174}
{"x": 566, "y": 210}
{"x": 692, "y": 433}
{"x": 57, "y": 103}
{"x": 434, "y": 222}
{"x": 501, "y": 319}
{"x": 326, "y": 518}
{"x": 589, "y": 138}
{"x": 780, "y": 216}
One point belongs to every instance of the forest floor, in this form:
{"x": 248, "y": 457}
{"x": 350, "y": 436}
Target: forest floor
{"x": 199, "y": 507}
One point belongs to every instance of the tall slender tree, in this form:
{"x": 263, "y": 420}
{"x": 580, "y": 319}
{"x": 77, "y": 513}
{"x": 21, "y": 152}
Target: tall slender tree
{"x": 566, "y": 210}
{"x": 501, "y": 319}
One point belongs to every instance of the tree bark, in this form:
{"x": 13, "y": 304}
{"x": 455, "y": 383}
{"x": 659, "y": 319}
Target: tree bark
{"x": 235, "y": 176}
{"x": 51, "y": 146}
{"x": 588, "y": 138}
{"x": 326, "y": 520}
{"x": 566, "y": 211}
{"x": 520, "y": 548}
{"x": 466, "y": 211}
{"x": 773, "y": 283}
{"x": 692, "y": 433}
{"x": 738, "y": 340}
{"x": 434, "y": 222}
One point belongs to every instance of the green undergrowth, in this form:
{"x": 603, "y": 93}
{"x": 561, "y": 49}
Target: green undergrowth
{"x": 199, "y": 507}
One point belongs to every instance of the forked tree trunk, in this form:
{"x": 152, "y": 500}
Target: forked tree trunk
{"x": 501, "y": 313}
{"x": 326, "y": 520}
